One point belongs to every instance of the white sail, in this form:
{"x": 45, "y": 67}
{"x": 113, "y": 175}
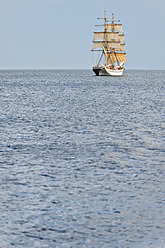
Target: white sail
{"x": 111, "y": 36}
{"x": 114, "y": 45}
{"x": 117, "y": 46}
{"x": 114, "y": 27}
{"x": 97, "y": 45}
{"x": 108, "y": 36}
{"x": 99, "y": 35}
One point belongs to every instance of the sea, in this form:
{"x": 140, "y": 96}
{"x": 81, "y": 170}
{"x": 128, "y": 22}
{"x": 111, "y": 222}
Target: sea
{"x": 82, "y": 159}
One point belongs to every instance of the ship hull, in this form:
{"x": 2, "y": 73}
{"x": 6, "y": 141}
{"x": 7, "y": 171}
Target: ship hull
{"x": 100, "y": 71}
{"x": 108, "y": 72}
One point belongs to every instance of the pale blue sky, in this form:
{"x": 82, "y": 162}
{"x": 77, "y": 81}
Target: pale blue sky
{"x": 54, "y": 34}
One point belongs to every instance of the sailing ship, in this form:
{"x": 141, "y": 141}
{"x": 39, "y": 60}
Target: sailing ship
{"x": 110, "y": 42}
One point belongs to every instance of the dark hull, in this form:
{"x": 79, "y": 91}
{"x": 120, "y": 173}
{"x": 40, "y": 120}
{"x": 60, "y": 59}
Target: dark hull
{"x": 100, "y": 71}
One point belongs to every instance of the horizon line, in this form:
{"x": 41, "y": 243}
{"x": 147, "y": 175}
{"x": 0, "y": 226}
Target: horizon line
{"x": 23, "y": 69}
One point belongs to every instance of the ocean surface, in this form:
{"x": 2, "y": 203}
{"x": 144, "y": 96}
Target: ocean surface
{"x": 82, "y": 159}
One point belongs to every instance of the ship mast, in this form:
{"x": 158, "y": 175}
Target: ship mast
{"x": 113, "y": 51}
{"x": 105, "y": 37}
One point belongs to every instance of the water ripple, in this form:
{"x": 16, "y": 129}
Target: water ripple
{"x": 82, "y": 159}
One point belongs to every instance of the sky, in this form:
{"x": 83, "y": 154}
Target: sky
{"x": 57, "y": 34}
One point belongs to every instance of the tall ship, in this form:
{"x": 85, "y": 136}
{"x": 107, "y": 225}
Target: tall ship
{"x": 110, "y": 43}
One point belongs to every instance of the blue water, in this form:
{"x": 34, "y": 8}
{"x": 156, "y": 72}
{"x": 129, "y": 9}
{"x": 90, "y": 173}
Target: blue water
{"x": 82, "y": 159}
